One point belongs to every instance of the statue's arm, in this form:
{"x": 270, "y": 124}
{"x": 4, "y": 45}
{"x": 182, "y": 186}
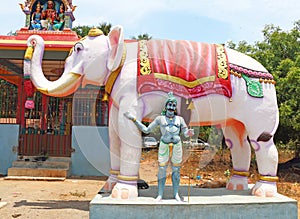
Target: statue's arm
{"x": 186, "y": 131}
{"x": 140, "y": 125}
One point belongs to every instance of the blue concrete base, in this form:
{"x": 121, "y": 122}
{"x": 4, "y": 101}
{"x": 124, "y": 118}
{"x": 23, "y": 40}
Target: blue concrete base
{"x": 91, "y": 151}
{"x": 202, "y": 203}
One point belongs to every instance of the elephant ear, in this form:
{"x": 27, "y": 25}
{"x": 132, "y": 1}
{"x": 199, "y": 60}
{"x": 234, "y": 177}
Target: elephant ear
{"x": 116, "y": 46}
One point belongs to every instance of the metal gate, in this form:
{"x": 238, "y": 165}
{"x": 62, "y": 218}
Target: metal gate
{"x": 9, "y": 99}
{"x": 46, "y": 129}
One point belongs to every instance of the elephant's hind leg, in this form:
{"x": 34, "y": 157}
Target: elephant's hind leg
{"x": 236, "y": 140}
{"x": 267, "y": 161}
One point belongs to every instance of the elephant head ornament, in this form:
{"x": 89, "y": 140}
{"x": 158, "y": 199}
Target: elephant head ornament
{"x": 227, "y": 88}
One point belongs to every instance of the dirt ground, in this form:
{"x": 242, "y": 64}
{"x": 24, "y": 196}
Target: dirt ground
{"x": 42, "y": 199}
{"x": 70, "y": 198}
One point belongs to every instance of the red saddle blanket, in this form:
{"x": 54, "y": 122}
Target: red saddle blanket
{"x": 188, "y": 69}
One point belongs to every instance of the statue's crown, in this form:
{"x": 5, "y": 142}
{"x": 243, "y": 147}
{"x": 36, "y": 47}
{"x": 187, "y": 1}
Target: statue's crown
{"x": 171, "y": 98}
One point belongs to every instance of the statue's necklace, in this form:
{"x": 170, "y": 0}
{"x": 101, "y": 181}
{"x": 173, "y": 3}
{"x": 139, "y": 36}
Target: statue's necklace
{"x": 170, "y": 120}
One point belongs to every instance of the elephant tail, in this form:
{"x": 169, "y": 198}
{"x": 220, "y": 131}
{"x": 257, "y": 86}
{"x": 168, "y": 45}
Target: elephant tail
{"x": 275, "y": 124}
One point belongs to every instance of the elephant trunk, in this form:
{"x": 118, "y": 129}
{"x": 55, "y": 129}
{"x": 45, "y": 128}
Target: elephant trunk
{"x": 64, "y": 86}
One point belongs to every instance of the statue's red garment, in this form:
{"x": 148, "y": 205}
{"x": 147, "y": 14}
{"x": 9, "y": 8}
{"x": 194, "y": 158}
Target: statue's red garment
{"x": 189, "y": 69}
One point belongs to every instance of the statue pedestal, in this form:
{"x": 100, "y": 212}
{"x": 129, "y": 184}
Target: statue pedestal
{"x": 202, "y": 203}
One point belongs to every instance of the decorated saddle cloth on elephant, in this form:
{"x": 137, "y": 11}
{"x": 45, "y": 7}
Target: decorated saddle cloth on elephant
{"x": 189, "y": 69}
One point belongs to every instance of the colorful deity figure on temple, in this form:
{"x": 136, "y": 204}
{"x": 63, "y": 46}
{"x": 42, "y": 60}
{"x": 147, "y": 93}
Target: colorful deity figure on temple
{"x": 49, "y": 15}
{"x": 59, "y": 22}
{"x": 36, "y": 18}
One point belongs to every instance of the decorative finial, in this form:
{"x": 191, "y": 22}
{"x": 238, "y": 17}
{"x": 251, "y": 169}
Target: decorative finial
{"x": 95, "y": 32}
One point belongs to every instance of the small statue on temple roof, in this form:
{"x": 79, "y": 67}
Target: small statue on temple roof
{"x": 36, "y": 17}
{"x": 59, "y": 22}
{"x": 48, "y": 14}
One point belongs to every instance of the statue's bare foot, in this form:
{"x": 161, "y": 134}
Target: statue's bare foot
{"x": 237, "y": 183}
{"x": 264, "y": 189}
{"x": 124, "y": 191}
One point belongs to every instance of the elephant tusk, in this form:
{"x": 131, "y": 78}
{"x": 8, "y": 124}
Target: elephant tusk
{"x": 65, "y": 83}
{"x": 43, "y": 90}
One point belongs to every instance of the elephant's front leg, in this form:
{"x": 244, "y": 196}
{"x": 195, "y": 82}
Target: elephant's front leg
{"x": 114, "y": 141}
{"x": 130, "y": 153}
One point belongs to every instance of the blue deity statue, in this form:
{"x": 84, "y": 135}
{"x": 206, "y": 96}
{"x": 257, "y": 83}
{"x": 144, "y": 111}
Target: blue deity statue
{"x": 171, "y": 125}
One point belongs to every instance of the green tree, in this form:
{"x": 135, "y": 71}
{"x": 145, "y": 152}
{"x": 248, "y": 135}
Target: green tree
{"x": 144, "y": 36}
{"x": 242, "y": 47}
{"x": 105, "y": 27}
{"x": 84, "y": 30}
{"x": 277, "y": 46}
{"x": 289, "y": 104}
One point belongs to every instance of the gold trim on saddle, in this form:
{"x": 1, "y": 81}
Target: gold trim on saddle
{"x": 128, "y": 178}
{"x": 181, "y": 81}
{"x": 269, "y": 178}
{"x": 240, "y": 173}
{"x": 222, "y": 62}
{"x": 145, "y": 68}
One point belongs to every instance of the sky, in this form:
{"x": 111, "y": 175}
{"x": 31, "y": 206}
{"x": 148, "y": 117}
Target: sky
{"x": 211, "y": 21}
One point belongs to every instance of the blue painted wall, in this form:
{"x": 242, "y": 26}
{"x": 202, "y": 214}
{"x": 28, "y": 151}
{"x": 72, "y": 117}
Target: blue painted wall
{"x": 9, "y": 136}
{"x": 91, "y": 156}
{"x": 91, "y": 144}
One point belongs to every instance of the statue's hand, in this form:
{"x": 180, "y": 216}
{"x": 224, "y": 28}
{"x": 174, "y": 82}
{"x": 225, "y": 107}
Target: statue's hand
{"x": 190, "y": 132}
{"x": 128, "y": 115}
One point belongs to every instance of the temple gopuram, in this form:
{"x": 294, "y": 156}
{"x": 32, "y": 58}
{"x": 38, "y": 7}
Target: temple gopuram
{"x": 46, "y": 129}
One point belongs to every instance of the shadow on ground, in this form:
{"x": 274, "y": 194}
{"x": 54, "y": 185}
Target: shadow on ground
{"x": 55, "y": 204}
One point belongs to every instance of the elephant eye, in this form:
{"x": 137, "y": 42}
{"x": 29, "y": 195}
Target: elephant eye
{"x": 78, "y": 47}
